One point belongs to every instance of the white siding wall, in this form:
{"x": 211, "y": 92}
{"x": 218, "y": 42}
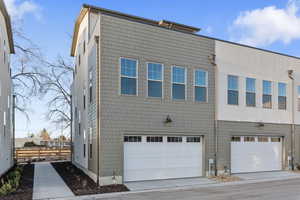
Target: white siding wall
{"x": 80, "y": 83}
{"x": 253, "y": 63}
{"x": 5, "y": 101}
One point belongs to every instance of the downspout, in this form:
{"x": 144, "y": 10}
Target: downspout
{"x": 212, "y": 60}
{"x": 290, "y": 74}
{"x": 71, "y": 127}
{"x": 14, "y": 128}
{"x": 98, "y": 108}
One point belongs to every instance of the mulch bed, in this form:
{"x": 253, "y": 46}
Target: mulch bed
{"x": 24, "y": 192}
{"x": 82, "y": 184}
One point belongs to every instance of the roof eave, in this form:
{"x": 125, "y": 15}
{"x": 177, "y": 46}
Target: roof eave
{"x": 8, "y": 26}
{"x": 79, "y": 19}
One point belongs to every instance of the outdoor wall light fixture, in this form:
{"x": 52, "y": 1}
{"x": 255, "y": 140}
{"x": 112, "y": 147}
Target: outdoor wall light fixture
{"x": 168, "y": 120}
{"x": 260, "y": 124}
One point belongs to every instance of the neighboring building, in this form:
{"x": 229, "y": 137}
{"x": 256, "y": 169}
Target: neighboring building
{"x": 20, "y": 142}
{"x": 155, "y": 100}
{"x": 258, "y": 102}
{"x": 6, "y": 134}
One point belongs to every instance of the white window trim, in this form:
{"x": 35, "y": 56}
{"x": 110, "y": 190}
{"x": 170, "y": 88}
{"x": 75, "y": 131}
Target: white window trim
{"x": 206, "y": 84}
{"x": 162, "y": 80}
{"x": 185, "y": 81}
{"x": 238, "y": 89}
{"x": 136, "y": 76}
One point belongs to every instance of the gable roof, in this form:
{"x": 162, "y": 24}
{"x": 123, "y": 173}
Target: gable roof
{"x": 4, "y": 12}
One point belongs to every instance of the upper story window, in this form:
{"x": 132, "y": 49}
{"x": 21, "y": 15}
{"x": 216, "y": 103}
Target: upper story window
{"x": 178, "y": 82}
{"x": 282, "y": 96}
{"x": 200, "y": 85}
{"x": 233, "y": 90}
{"x": 155, "y": 79}
{"x": 84, "y": 101}
{"x": 250, "y": 92}
{"x": 128, "y": 76}
{"x": 267, "y": 94}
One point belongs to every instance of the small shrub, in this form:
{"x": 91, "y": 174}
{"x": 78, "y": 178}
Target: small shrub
{"x": 11, "y": 182}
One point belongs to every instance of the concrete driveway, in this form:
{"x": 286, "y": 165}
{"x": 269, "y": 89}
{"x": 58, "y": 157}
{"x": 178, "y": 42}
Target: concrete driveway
{"x": 271, "y": 190}
{"x": 268, "y": 176}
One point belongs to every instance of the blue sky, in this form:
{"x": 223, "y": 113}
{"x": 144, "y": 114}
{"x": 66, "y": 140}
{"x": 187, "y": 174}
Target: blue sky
{"x": 270, "y": 24}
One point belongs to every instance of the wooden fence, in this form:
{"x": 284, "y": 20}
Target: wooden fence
{"x": 42, "y": 154}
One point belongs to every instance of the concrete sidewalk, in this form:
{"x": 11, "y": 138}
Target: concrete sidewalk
{"x": 48, "y": 184}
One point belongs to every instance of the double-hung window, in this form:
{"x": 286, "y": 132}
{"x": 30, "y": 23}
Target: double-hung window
{"x": 250, "y": 92}
{"x": 178, "y": 82}
{"x": 267, "y": 94}
{"x": 282, "y": 96}
{"x": 155, "y": 79}
{"x": 128, "y": 76}
{"x": 200, "y": 85}
{"x": 233, "y": 90}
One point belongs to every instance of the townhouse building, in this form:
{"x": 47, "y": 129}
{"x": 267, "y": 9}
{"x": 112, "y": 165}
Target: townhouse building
{"x": 6, "y": 48}
{"x": 156, "y": 100}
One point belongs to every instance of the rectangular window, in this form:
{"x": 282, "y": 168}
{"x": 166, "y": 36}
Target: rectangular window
{"x": 178, "y": 82}
{"x": 79, "y": 129}
{"x": 155, "y": 79}
{"x": 200, "y": 85}
{"x": 250, "y": 92}
{"x": 154, "y": 139}
{"x": 233, "y": 90}
{"x": 249, "y": 139}
{"x": 84, "y": 103}
{"x": 91, "y": 150}
{"x": 263, "y": 139}
{"x": 235, "y": 139}
{"x": 84, "y": 146}
{"x": 267, "y": 94}
{"x": 174, "y": 139}
{"x": 91, "y": 92}
{"x": 128, "y": 76}
{"x": 282, "y": 96}
{"x": 132, "y": 139}
{"x": 298, "y": 97}
{"x": 193, "y": 139}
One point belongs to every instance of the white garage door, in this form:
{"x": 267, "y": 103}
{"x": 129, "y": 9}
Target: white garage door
{"x": 162, "y": 157}
{"x": 254, "y": 154}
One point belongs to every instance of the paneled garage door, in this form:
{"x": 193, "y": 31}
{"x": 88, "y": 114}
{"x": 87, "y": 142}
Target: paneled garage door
{"x": 254, "y": 154}
{"x": 162, "y": 157}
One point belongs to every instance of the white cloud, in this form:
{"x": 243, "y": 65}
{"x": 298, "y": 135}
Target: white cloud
{"x": 262, "y": 27}
{"x": 18, "y": 10}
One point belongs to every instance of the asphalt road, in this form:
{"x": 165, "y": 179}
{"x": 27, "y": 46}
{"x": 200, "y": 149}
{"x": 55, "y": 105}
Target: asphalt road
{"x": 273, "y": 190}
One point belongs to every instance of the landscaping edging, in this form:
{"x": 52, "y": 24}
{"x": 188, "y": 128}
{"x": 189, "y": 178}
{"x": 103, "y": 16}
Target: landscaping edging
{"x": 82, "y": 184}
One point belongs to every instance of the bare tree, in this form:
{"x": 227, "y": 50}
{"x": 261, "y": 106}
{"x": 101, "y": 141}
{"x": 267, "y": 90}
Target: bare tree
{"x": 58, "y": 89}
{"x": 28, "y": 70}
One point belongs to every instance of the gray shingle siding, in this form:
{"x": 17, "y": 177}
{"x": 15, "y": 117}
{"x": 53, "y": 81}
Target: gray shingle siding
{"x": 138, "y": 114}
